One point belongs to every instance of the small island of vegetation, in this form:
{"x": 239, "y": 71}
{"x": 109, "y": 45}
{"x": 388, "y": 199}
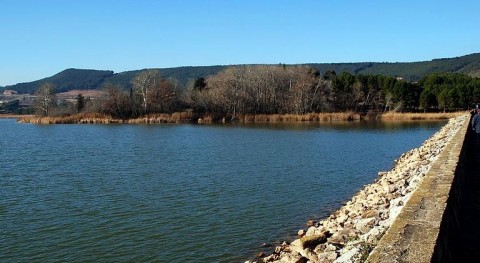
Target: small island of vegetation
{"x": 259, "y": 93}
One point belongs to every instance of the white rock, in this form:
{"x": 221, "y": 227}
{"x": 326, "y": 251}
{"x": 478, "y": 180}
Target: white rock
{"x": 301, "y": 233}
{"x": 347, "y": 256}
{"x": 330, "y": 248}
{"x": 327, "y": 257}
{"x": 364, "y": 225}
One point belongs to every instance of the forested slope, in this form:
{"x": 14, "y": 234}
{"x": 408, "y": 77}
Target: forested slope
{"x": 182, "y": 76}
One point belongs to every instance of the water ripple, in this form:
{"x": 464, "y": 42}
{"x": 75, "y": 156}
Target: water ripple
{"x": 177, "y": 193}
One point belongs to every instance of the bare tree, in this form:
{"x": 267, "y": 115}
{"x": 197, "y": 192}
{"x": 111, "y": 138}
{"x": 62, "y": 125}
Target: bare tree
{"x": 155, "y": 93}
{"x": 45, "y": 99}
{"x": 118, "y": 103}
{"x": 145, "y": 84}
{"x": 261, "y": 89}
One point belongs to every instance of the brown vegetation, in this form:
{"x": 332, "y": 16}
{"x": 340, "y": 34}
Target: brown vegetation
{"x": 86, "y": 93}
{"x": 395, "y": 116}
{"x": 189, "y": 117}
{"x": 310, "y": 117}
{"x": 15, "y": 116}
{"x": 97, "y": 118}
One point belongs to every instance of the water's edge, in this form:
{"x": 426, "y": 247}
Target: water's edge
{"x": 350, "y": 233}
{"x": 181, "y": 192}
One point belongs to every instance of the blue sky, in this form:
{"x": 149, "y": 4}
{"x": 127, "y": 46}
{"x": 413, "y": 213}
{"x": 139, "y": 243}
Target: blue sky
{"x": 39, "y": 38}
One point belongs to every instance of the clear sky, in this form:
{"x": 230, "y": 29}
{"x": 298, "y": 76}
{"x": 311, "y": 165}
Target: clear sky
{"x": 39, "y": 38}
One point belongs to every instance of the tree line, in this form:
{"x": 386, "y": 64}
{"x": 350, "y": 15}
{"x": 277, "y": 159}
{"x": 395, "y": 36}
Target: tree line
{"x": 278, "y": 89}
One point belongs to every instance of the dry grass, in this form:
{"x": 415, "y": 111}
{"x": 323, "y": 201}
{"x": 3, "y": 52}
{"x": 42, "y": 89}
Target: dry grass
{"x": 14, "y": 116}
{"x": 85, "y": 93}
{"x": 395, "y": 116}
{"x": 211, "y": 118}
{"x": 96, "y": 118}
{"x": 311, "y": 117}
{"x": 176, "y": 117}
{"x": 69, "y": 119}
{"x": 186, "y": 117}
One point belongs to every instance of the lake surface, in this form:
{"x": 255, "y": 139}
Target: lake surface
{"x": 180, "y": 193}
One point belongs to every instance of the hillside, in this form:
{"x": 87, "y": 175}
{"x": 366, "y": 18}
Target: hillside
{"x": 71, "y": 79}
{"x": 181, "y": 74}
{"x": 66, "y": 80}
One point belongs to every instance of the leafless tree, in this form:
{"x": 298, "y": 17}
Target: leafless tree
{"x": 145, "y": 85}
{"x": 155, "y": 93}
{"x": 45, "y": 99}
{"x": 261, "y": 89}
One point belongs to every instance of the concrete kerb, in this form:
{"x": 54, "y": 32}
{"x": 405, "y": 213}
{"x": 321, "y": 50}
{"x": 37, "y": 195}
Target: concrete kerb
{"x": 413, "y": 235}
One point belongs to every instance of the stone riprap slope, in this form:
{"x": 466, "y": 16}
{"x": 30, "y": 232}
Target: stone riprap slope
{"x": 350, "y": 233}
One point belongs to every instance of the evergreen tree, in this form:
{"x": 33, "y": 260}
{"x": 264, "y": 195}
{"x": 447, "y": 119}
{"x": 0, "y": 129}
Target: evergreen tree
{"x": 80, "y": 102}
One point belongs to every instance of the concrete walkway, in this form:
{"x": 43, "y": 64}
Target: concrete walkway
{"x": 466, "y": 243}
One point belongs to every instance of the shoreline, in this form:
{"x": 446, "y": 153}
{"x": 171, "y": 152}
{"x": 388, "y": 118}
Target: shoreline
{"x": 189, "y": 117}
{"x": 350, "y": 233}
{"x": 15, "y": 116}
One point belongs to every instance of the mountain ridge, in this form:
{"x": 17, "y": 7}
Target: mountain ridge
{"x": 70, "y": 79}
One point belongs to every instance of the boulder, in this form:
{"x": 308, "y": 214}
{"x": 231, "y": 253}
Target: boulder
{"x": 327, "y": 257}
{"x": 320, "y": 248}
{"x": 347, "y": 256}
{"x": 314, "y": 231}
{"x": 382, "y": 173}
{"x": 278, "y": 249}
{"x": 342, "y": 218}
{"x": 330, "y": 248}
{"x": 301, "y": 260}
{"x": 291, "y": 258}
{"x": 370, "y": 213}
{"x": 301, "y": 233}
{"x": 338, "y": 238}
{"x": 295, "y": 246}
{"x": 364, "y": 225}
{"x": 271, "y": 258}
{"x": 373, "y": 235}
{"x": 313, "y": 241}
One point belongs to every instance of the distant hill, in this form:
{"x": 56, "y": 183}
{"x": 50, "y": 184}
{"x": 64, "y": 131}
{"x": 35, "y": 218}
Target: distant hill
{"x": 181, "y": 74}
{"x": 82, "y": 79}
{"x": 66, "y": 80}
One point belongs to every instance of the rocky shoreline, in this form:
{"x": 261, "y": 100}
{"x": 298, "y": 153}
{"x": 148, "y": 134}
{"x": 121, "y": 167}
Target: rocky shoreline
{"x": 350, "y": 233}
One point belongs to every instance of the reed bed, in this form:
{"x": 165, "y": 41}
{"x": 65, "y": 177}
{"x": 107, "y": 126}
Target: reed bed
{"x": 97, "y": 118}
{"x": 310, "y": 117}
{"x": 395, "y": 116}
{"x": 189, "y": 117}
{"x": 176, "y": 117}
{"x": 14, "y": 116}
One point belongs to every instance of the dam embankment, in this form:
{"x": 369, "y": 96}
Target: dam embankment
{"x": 441, "y": 223}
{"x": 412, "y": 213}
{"x": 459, "y": 237}
{"x": 438, "y": 224}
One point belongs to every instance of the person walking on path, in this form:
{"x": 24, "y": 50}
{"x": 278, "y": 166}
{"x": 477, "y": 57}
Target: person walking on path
{"x": 476, "y": 125}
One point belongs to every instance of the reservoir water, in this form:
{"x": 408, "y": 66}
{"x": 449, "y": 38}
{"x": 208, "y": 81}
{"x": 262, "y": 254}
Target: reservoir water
{"x": 180, "y": 193}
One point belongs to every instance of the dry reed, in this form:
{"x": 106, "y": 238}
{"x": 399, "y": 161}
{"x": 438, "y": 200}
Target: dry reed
{"x": 14, "y": 116}
{"x": 310, "y": 117}
{"x": 96, "y": 118}
{"x": 186, "y": 117}
{"x": 395, "y": 116}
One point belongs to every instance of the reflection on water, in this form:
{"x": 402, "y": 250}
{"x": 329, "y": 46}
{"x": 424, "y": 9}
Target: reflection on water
{"x": 343, "y": 125}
